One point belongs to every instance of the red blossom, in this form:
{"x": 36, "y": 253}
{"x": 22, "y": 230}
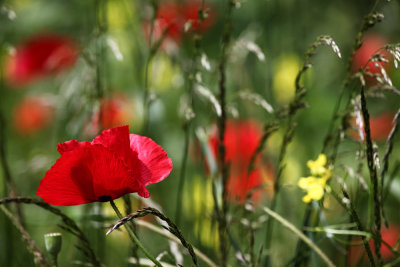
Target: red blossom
{"x": 41, "y": 55}
{"x": 370, "y": 46}
{"x": 115, "y": 163}
{"x": 172, "y": 17}
{"x": 31, "y": 115}
{"x": 380, "y": 126}
{"x": 241, "y": 140}
{"x": 191, "y": 13}
{"x": 169, "y": 18}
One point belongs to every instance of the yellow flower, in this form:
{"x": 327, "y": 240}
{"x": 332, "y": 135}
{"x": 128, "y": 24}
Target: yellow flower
{"x": 314, "y": 187}
{"x": 317, "y": 167}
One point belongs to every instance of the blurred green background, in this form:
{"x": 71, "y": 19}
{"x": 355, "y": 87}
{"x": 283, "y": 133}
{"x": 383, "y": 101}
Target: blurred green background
{"x": 269, "y": 39}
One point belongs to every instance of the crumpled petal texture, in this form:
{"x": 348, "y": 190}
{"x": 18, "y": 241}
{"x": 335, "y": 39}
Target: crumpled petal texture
{"x": 115, "y": 163}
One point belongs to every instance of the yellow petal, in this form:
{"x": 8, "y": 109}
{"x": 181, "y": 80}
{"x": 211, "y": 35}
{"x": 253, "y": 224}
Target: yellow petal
{"x": 316, "y": 192}
{"x": 306, "y": 199}
{"x": 321, "y": 161}
{"x": 318, "y": 167}
{"x": 305, "y": 182}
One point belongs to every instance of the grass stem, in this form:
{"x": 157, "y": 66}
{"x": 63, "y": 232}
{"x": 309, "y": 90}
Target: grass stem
{"x": 134, "y": 237}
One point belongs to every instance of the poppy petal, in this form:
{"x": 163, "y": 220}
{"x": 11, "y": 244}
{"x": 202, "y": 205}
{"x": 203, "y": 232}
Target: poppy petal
{"x": 155, "y": 164}
{"x": 70, "y": 145}
{"x": 68, "y": 182}
{"x": 87, "y": 174}
{"x": 117, "y": 140}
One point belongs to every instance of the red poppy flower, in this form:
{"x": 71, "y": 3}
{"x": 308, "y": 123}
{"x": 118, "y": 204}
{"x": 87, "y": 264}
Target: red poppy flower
{"x": 31, "y": 115}
{"x": 191, "y": 13}
{"x": 115, "y": 163}
{"x": 41, "y": 55}
{"x": 371, "y": 45}
{"x": 380, "y": 126}
{"x": 169, "y": 18}
{"x": 241, "y": 141}
{"x": 172, "y": 18}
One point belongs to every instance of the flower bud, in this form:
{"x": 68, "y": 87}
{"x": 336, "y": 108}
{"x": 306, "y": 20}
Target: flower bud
{"x": 53, "y": 242}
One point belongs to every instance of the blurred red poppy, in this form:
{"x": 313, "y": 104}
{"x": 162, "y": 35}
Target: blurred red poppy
{"x": 172, "y": 17}
{"x": 191, "y": 13}
{"x": 241, "y": 142}
{"x": 370, "y": 46}
{"x": 380, "y": 126}
{"x": 115, "y": 163}
{"x": 390, "y": 235}
{"x": 169, "y": 18}
{"x": 39, "y": 56}
{"x": 31, "y": 115}
{"x": 115, "y": 111}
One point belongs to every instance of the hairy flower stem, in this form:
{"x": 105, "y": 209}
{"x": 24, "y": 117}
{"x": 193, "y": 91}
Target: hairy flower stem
{"x": 300, "y": 250}
{"x": 222, "y": 223}
{"x": 152, "y": 52}
{"x": 134, "y": 237}
{"x": 146, "y": 96}
{"x": 374, "y": 178}
{"x": 128, "y": 210}
{"x": 101, "y": 28}
{"x": 388, "y": 152}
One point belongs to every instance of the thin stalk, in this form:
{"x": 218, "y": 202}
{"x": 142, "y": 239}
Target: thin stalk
{"x": 38, "y": 255}
{"x": 134, "y": 237}
{"x": 222, "y": 223}
{"x": 182, "y": 173}
{"x": 172, "y": 228}
{"x": 349, "y": 207}
{"x": 369, "y": 21}
{"x": 146, "y": 100}
{"x": 128, "y": 210}
{"x": 152, "y": 52}
{"x": 9, "y": 187}
{"x": 298, "y": 259}
{"x": 388, "y": 152}
{"x": 100, "y": 24}
{"x": 374, "y": 178}
{"x": 187, "y": 122}
{"x": 170, "y": 236}
{"x": 101, "y": 28}
{"x": 286, "y": 140}
{"x": 297, "y": 232}
{"x": 69, "y": 225}
{"x": 290, "y": 112}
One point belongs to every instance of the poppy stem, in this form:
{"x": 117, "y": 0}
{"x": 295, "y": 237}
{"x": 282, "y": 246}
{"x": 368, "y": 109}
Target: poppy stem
{"x": 134, "y": 237}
